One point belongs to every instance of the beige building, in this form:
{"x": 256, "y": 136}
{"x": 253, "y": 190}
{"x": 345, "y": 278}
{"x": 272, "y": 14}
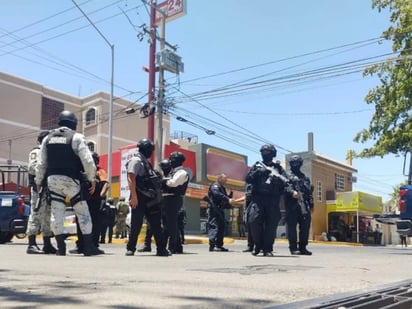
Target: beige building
{"x": 28, "y": 107}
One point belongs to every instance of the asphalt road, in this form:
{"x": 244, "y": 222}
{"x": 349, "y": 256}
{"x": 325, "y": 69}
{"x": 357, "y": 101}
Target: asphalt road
{"x": 196, "y": 279}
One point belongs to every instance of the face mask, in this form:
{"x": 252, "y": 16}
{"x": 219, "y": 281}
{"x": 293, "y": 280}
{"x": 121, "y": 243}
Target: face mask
{"x": 146, "y": 152}
{"x": 267, "y": 157}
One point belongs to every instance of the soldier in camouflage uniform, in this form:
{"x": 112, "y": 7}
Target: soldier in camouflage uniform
{"x": 68, "y": 164}
{"x": 39, "y": 219}
{"x": 122, "y": 212}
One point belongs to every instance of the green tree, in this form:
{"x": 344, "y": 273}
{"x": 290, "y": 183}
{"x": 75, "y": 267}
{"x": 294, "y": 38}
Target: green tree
{"x": 390, "y": 128}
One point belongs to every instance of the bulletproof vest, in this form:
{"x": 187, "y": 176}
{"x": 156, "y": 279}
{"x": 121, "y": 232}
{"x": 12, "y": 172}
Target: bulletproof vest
{"x": 268, "y": 185}
{"x": 215, "y": 198}
{"x": 179, "y": 190}
{"x": 149, "y": 185}
{"x": 61, "y": 159}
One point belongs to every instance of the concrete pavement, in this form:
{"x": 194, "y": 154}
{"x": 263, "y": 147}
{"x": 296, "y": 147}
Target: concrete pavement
{"x": 196, "y": 279}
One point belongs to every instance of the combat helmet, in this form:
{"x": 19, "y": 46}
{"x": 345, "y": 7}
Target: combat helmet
{"x": 67, "y": 119}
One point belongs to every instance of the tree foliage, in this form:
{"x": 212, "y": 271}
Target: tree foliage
{"x": 390, "y": 128}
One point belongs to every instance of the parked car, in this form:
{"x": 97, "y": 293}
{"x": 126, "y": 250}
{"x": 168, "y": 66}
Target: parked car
{"x": 14, "y": 210}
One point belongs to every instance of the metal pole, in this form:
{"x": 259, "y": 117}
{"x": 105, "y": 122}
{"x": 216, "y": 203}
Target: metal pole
{"x": 110, "y": 150}
{"x": 152, "y": 70}
{"x": 160, "y": 101}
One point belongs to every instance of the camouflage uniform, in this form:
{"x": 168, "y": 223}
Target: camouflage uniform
{"x": 62, "y": 184}
{"x": 122, "y": 212}
{"x": 39, "y": 220}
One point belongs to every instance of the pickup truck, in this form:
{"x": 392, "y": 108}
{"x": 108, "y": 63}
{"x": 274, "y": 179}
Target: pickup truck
{"x": 14, "y": 206}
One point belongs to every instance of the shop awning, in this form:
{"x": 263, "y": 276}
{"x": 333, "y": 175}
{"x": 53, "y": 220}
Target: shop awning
{"x": 356, "y": 201}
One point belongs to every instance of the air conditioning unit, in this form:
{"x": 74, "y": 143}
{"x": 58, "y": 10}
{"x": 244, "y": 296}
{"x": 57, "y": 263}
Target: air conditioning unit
{"x": 352, "y": 179}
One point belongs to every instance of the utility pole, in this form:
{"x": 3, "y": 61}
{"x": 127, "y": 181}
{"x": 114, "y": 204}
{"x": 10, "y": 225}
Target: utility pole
{"x": 167, "y": 60}
{"x": 160, "y": 101}
{"x": 152, "y": 70}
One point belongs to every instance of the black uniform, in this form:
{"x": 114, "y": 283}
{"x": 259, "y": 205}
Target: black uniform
{"x": 298, "y": 210}
{"x": 268, "y": 180}
{"x": 174, "y": 190}
{"x": 148, "y": 190}
{"x": 248, "y": 199}
{"x": 218, "y": 200}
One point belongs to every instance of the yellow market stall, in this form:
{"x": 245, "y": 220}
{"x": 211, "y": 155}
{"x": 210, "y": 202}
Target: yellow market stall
{"x": 346, "y": 211}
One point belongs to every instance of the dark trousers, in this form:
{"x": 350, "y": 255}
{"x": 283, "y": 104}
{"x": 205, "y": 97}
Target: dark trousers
{"x": 148, "y": 236}
{"x": 153, "y": 217}
{"x": 107, "y": 223}
{"x": 171, "y": 206}
{"x": 216, "y": 227}
{"x": 250, "y": 243}
{"x": 264, "y": 219}
{"x": 94, "y": 206}
{"x": 293, "y": 219}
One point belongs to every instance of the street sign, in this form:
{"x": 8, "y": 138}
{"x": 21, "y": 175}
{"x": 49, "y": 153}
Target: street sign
{"x": 172, "y": 8}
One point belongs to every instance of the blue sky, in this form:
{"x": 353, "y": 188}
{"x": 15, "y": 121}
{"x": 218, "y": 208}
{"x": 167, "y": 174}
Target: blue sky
{"x": 272, "y": 71}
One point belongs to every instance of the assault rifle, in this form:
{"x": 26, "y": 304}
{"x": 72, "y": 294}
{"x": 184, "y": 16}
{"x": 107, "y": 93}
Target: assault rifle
{"x": 301, "y": 189}
{"x": 43, "y": 192}
{"x": 274, "y": 173}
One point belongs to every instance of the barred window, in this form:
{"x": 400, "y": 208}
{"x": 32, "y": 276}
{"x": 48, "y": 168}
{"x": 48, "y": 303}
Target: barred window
{"x": 340, "y": 182}
{"x": 319, "y": 191}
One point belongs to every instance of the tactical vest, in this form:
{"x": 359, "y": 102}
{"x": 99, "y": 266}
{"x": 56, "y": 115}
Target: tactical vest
{"x": 178, "y": 190}
{"x": 268, "y": 185}
{"x": 149, "y": 185}
{"x": 61, "y": 159}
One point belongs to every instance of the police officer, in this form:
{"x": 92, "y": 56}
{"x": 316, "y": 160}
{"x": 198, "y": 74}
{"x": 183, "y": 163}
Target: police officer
{"x": 248, "y": 198}
{"x": 94, "y": 202}
{"x": 181, "y": 223}
{"x": 64, "y": 159}
{"x": 145, "y": 197}
{"x": 174, "y": 191}
{"x": 108, "y": 220}
{"x": 299, "y": 205}
{"x": 39, "y": 218}
{"x": 166, "y": 168}
{"x": 218, "y": 201}
{"x": 122, "y": 211}
{"x": 268, "y": 180}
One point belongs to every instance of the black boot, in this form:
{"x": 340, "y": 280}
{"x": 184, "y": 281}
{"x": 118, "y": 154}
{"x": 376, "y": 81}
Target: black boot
{"x": 61, "y": 244}
{"x": 48, "y": 248}
{"x": 89, "y": 248}
{"x": 33, "y": 248}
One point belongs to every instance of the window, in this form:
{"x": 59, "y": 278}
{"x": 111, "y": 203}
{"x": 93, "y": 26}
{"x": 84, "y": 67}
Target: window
{"x": 91, "y": 145}
{"x": 50, "y": 111}
{"x": 91, "y": 116}
{"x": 340, "y": 182}
{"x": 319, "y": 191}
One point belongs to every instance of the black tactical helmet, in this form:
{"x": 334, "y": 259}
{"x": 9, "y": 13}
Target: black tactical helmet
{"x": 176, "y": 158}
{"x": 269, "y": 147}
{"x": 96, "y": 157}
{"x": 67, "y": 119}
{"x": 42, "y": 135}
{"x": 146, "y": 147}
{"x": 165, "y": 166}
{"x": 295, "y": 161}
